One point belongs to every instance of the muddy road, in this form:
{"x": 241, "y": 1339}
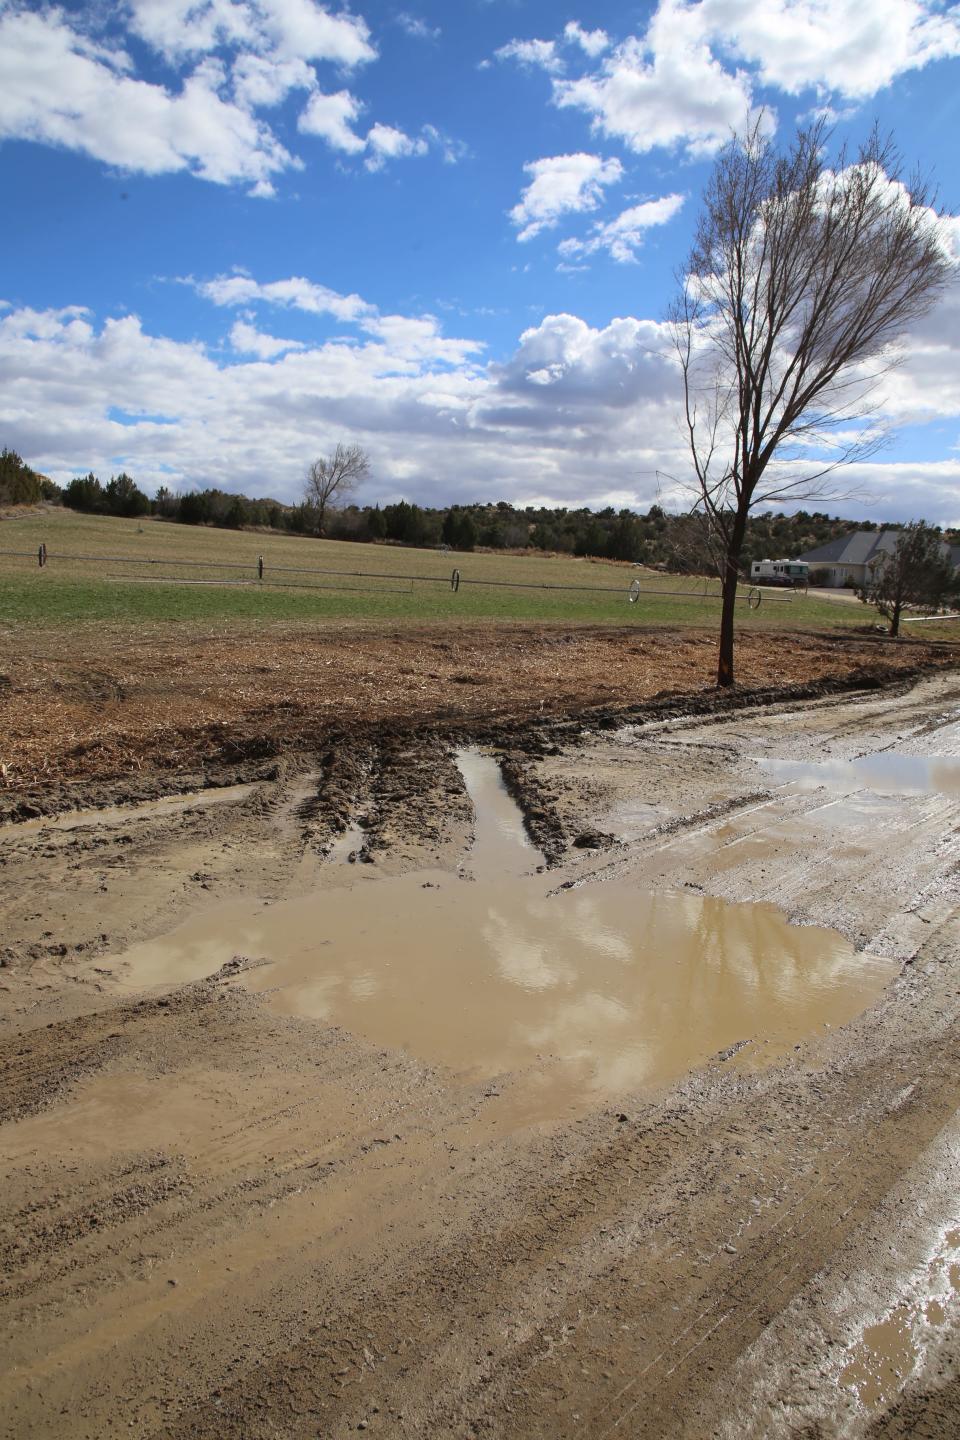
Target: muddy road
{"x": 596, "y": 1076}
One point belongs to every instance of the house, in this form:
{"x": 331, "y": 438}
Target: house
{"x": 852, "y": 557}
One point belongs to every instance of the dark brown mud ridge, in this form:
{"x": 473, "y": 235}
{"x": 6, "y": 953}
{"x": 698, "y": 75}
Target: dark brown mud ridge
{"x": 391, "y": 777}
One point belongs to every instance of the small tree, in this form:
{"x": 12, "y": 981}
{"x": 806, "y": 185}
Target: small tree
{"x": 800, "y": 278}
{"x": 917, "y": 572}
{"x": 122, "y": 496}
{"x": 333, "y": 477}
{"x": 85, "y": 493}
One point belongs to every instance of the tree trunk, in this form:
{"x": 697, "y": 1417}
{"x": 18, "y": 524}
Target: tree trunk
{"x": 725, "y": 659}
{"x": 895, "y": 620}
{"x": 731, "y": 576}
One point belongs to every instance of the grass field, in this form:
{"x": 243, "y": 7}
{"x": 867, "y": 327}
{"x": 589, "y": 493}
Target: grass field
{"x": 99, "y": 569}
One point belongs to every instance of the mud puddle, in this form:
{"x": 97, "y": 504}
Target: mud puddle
{"x": 888, "y": 772}
{"x": 893, "y": 1349}
{"x": 603, "y": 987}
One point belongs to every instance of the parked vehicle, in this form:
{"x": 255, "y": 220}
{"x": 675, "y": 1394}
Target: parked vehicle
{"x": 792, "y": 573}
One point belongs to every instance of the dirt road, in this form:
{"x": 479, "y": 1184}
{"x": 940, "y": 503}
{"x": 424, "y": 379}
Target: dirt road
{"x": 224, "y": 1216}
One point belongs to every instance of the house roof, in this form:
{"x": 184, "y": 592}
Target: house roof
{"x": 861, "y": 547}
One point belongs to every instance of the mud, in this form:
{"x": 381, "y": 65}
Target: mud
{"x": 595, "y": 989}
{"x": 225, "y": 1214}
{"x": 111, "y": 726}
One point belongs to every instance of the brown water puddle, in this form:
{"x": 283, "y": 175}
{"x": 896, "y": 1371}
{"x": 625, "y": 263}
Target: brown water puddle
{"x": 487, "y": 972}
{"x": 889, "y": 1352}
{"x": 888, "y": 772}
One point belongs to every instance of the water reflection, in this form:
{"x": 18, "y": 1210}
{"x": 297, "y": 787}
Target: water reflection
{"x": 487, "y": 972}
{"x": 492, "y": 976}
{"x": 888, "y": 771}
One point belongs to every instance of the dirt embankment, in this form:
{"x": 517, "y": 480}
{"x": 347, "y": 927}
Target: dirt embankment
{"x": 174, "y": 710}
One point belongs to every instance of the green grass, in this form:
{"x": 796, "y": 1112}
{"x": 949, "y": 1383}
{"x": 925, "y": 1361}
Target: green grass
{"x": 95, "y": 587}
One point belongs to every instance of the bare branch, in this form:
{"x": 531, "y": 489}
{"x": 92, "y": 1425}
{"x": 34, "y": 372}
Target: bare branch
{"x": 800, "y": 280}
{"x": 333, "y": 477}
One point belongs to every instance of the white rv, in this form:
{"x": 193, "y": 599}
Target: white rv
{"x": 779, "y": 572}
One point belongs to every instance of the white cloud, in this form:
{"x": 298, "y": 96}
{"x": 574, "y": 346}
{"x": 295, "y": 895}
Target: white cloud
{"x": 665, "y": 90}
{"x": 453, "y": 151}
{"x": 438, "y": 425}
{"x": 593, "y": 42}
{"x": 295, "y": 293}
{"x": 302, "y": 28}
{"x": 246, "y": 339}
{"x": 236, "y": 57}
{"x": 419, "y": 339}
{"x": 181, "y": 29}
{"x": 578, "y": 413}
{"x": 58, "y": 89}
{"x": 417, "y": 27}
{"x": 385, "y": 142}
{"x": 331, "y": 117}
{"x": 288, "y": 29}
{"x": 845, "y": 46}
{"x": 261, "y": 81}
{"x": 561, "y": 184}
{"x": 690, "y": 78}
{"x": 624, "y": 235}
{"x": 539, "y": 53}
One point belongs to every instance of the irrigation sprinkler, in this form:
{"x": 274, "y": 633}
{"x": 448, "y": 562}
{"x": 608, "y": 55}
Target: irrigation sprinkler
{"x": 753, "y": 597}
{"x": 455, "y": 580}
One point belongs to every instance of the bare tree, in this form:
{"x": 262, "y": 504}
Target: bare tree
{"x": 918, "y": 571}
{"x": 800, "y": 279}
{"x": 333, "y": 477}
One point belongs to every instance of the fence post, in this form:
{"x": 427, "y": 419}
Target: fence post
{"x": 260, "y": 566}
{"x": 42, "y": 555}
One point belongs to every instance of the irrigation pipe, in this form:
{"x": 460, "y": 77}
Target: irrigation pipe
{"x": 455, "y": 581}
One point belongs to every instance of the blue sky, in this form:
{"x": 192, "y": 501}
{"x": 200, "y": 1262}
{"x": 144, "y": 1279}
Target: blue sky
{"x": 241, "y": 230}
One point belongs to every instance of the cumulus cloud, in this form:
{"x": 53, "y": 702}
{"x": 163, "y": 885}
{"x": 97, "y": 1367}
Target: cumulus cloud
{"x": 419, "y": 339}
{"x": 332, "y": 117}
{"x": 287, "y": 28}
{"x": 665, "y": 90}
{"x": 623, "y": 236}
{"x": 418, "y": 27}
{"x": 234, "y": 58}
{"x": 844, "y": 47}
{"x": 437, "y": 422}
{"x": 691, "y": 76}
{"x": 385, "y": 142}
{"x": 261, "y": 81}
{"x": 56, "y": 88}
{"x": 246, "y": 339}
{"x": 578, "y": 413}
{"x": 593, "y": 42}
{"x": 561, "y": 184}
{"x": 539, "y": 53}
{"x": 296, "y": 293}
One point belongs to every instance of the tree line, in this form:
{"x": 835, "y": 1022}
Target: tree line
{"x": 655, "y": 538}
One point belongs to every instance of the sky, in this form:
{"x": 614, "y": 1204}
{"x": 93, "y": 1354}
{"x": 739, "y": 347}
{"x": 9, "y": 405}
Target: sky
{"x": 239, "y": 231}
